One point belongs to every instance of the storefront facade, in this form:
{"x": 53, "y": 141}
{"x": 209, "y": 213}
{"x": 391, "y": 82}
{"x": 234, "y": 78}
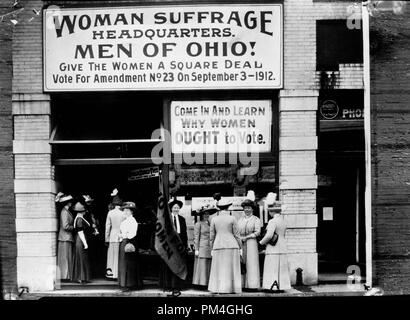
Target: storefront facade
{"x": 62, "y": 124}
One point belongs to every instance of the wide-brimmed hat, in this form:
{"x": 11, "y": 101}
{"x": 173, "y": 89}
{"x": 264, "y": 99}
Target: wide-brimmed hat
{"x": 129, "y": 205}
{"x": 224, "y": 203}
{"x": 78, "y": 207}
{"x": 208, "y": 209}
{"x": 174, "y": 202}
{"x": 61, "y": 197}
{"x": 87, "y": 198}
{"x": 248, "y": 203}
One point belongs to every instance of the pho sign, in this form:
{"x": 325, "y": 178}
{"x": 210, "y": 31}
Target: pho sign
{"x": 163, "y": 48}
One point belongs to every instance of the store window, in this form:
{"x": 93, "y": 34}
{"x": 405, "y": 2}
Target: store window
{"x": 337, "y": 44}
{"x": 104, "y": 125}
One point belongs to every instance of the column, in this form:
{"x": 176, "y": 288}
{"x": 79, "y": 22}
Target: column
{"x": 298, "y": 179}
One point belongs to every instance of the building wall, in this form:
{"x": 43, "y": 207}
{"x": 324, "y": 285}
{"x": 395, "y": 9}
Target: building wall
{"x": 34, "y": 186}
{"x": 34, "y": 181}
{"x": 298, "y": 126}
{"x": 390, "y": 109}
{"x": 8, "y": 249}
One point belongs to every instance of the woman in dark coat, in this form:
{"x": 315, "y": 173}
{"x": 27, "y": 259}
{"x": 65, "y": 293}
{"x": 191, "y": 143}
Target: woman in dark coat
{"x": 129, "y": 276}
{"x": 82, "y": 229}
{"x": 167, "y": 279}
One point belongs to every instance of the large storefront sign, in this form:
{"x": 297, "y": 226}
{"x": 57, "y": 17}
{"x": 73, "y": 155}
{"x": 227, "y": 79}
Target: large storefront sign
{"x": 236, "y": 126}
{"x": 163, "y": 48}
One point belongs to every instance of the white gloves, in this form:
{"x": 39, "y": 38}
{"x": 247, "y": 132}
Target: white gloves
{"x": 197, "y": 252}
{"x": 240, "y": 251}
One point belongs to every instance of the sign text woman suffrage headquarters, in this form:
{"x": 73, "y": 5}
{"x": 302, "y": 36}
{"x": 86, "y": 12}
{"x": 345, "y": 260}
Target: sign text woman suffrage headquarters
{"x": 163, "y": 48}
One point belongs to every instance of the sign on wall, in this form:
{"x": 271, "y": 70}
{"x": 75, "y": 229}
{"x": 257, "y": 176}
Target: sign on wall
{"x": 163, "y": 48}
{"x": 235, "y": 126}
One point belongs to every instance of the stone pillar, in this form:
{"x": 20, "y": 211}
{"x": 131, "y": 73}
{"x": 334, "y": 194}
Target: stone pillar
{"x": 34, "y": 187}
{"x": 298, "y": 179}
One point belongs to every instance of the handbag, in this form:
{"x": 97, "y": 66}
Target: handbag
{"x": 129, "y": 247}
{"x": 272, "y": 241}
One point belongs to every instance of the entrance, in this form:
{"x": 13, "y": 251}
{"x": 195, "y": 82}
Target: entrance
{"x": 98, "y": 181}
{"x": 341, "y": 223}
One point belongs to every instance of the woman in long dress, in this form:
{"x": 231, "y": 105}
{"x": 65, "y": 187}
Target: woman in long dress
{"x": 225, "y": 274}
{"x": 249, "y": 229}
{"x": 276, "y": 268}
{"x": 82, "y": 228}
{"x": 168, "y": 281}
{"x": 203, "y": 258}
{"x": 129, "y": 276}
{"x": 65, "y": 239}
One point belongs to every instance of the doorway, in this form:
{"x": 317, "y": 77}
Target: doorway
{"x": 98, "y": 181}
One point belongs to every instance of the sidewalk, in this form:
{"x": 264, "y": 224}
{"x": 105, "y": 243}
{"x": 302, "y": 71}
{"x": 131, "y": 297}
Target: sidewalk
{"x": 305, "y": 291}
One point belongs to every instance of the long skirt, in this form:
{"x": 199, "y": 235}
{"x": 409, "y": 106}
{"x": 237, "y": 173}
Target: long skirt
{"x": 129, "y": 275}
{"x": 65, "y": 259}
{"x": 112, "y": 260}
{"x": 168, "y": 280}
{"x": 81, "y": 264}
{"x": 252, "y": 278}
{"x": 276, "y": 272}
{"x": 225, "y": 274}
{"x": 202, "y": 269}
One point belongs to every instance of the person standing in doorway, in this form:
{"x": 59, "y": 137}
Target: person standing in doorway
{"x": 112, "y": 231}
{"x": 167, "y": 279}
{"x": 226, "y": 244}
{"x": 82, "y": 229}
{"x": 249, "y": 229}
{"x": 65, "y": 238}
{"x": 276, "y": 276}
{"x": 129, "y": 276}
{"x": 202, "y": 244}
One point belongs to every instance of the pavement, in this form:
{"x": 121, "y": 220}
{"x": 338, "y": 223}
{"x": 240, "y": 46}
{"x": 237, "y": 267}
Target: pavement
{"x": 300, "y": 291}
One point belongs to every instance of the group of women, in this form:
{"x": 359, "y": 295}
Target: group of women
{"x": 227, "y": 254}
{"x": 226, "y": 249}
{"x": 76, "y": 227}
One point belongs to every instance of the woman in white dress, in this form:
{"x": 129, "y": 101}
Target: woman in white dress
{"x": 276, "y": 268}
{"x": 249, "y": 229}
{"x": 225, "y": 274}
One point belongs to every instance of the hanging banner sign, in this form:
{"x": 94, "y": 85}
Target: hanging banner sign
{"x": 163, "y": 48}
{"x": 236, "y": 126}
{"x": 143, "y": 173}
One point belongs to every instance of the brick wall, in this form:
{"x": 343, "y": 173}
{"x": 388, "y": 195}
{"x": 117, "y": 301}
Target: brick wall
{"x": 7, "y": 210}
{"x": 34, "y": 186}
{"x": 390, "y": 108}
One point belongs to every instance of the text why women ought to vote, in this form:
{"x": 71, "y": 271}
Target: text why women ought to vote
{"x": 220, "y": 126}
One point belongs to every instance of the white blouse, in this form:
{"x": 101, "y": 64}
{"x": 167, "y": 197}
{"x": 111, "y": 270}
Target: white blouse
{"x": 128, "y": 228}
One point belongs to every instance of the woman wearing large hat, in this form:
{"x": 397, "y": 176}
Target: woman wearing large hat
{"x": 225, "y": 276}
{"x": 65, "y": 238}
{"x": 167, "y": 279}
{"x": 203, "y": 258}
{"x": 112, "y": 231}
{"x": 82, "y": 228}
{"x": 249, "y": 227}
{"x": 129, "y": 276}
{"x": 276, "y": 268}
